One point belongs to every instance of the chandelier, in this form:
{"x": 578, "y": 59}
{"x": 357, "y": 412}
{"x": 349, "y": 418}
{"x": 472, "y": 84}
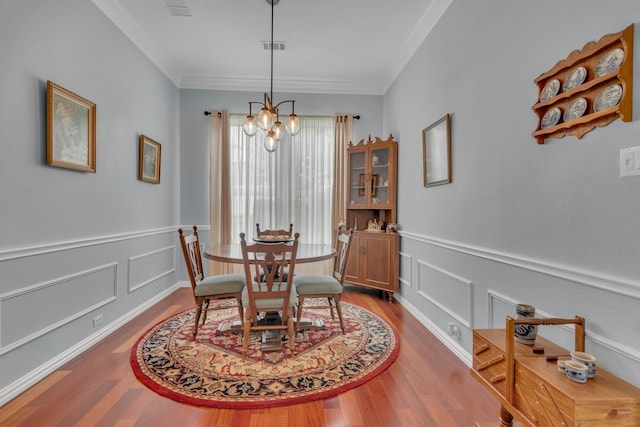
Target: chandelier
{"x": 268, "y": 119}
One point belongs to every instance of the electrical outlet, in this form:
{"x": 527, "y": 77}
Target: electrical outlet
{"x": 97, "y": 320}
{"x": 453, "y": 330}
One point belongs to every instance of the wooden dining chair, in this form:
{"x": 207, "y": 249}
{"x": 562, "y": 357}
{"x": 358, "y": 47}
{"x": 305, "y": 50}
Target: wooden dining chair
{"x": 275, "y": 234}
{"x": 281, "y": 232}
{"x": 273, "y": 294}
{"x": 326, "y": 286}
{"x": 211, "y": 288}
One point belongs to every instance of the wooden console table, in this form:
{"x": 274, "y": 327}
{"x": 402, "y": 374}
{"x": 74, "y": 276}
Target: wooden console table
{"x": 526, "y": 381}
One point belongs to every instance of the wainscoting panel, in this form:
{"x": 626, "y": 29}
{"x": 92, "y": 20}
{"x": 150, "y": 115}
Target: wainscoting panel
{"x": 58, "y": 298}
{"x": 32, "y": 311}
{"x": 446, "y": 290}
{"x": 405, "y": 269}
{"x": 501, "y": 280}
{"x": 151, "y": 266}
{"x": 500, "y": 306}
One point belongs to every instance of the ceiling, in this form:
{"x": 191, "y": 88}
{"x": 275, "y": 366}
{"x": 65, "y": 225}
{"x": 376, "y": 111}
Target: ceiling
{"x": 332, "y": 46}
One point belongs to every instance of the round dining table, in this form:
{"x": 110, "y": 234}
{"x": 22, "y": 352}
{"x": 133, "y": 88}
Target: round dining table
{"x": 307, "y": 252}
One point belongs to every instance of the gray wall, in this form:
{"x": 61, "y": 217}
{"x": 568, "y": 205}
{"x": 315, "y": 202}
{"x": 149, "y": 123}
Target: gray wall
{"x": 77, "y": 245}
{"x": 551, "y": 225}
{"x": 194, "y": 187}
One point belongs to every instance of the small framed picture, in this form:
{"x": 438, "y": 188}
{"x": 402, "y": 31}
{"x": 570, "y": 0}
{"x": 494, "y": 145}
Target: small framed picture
{"x": 362, "y": 184}
{"x": 375, "y": 183}
{"x": 71, "y": 130}
{"x": 149, "y": 165}
{"x": 436, "y": 153}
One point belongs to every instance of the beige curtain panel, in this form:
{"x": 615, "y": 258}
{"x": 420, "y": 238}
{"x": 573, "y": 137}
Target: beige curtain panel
{"x": 219, "y": 187}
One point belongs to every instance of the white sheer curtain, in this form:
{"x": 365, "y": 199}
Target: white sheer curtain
{"x": 293, "y": 185}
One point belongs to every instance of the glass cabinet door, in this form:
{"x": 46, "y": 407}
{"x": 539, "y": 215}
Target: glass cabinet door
{"x": 358, "y": 178}
{"x": 380, "y": 171}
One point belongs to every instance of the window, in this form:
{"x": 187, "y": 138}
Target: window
{"x": 292, "y": 185}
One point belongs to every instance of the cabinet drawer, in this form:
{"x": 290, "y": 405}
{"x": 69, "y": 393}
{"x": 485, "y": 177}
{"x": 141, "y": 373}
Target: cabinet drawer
{"x": 489, "y": 362}
{"x": 604, "y": 400}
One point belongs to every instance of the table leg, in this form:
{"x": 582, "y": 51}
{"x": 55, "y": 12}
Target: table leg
{"x": 271, "y": 340}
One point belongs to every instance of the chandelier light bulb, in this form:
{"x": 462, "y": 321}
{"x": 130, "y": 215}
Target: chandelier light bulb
{"x": 250, "y": 127}
{"x": 270, "y": 142}
{"x": 293, "y": 125}
{"x": 265, "y": 119}
{"x": 277, "y": 130}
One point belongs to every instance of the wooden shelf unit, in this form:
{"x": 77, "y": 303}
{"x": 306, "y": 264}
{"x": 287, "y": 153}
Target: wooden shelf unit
{"x": 530, "y": 388}
{"x": 588, "y": 57}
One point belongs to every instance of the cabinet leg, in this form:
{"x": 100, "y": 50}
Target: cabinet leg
{"x": 506, "y": 419}
{"x": 390, "y": 296}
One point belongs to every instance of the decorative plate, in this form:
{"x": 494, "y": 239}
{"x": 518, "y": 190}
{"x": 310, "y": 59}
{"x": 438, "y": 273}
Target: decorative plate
{"x": 273, "y": 239}
{"x": 551, "y": 118}
{"x": 609, "y": 97}
{"x": 575, "y": 78}
{"x": 609, "y": 62}
{"x": 575, "y": 109}
{"x": 550, "y": 90}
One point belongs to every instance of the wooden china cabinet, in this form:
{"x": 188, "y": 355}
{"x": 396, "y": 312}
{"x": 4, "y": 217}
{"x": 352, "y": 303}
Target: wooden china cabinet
{"x": 371, "y": 207}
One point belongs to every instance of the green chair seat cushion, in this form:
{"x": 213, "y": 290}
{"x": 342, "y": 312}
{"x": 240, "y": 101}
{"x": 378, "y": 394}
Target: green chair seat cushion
{"x": 317, "y": 284}
{"x": 221, "y": 284}
{"x": 269, "y": 303}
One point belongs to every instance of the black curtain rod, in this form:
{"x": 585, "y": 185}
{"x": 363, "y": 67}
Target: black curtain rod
{"x": 208, "y": 113}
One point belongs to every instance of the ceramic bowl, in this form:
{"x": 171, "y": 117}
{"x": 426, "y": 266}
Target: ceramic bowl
{"x": 576, "y": 371}
{"x": 561, "y": 366}
{"x": 588, "y": 360}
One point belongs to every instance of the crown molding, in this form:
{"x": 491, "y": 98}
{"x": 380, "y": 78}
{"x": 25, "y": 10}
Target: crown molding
{"x": 429, "y": 20}
{"x": 132, "y": 31}
{"x": 251, "y": 84}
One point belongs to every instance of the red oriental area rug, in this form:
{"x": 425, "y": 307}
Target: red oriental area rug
{"x": 210, "y": 371}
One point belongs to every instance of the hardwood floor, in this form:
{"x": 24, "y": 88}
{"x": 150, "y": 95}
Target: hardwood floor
{"x": 426, "y": 386}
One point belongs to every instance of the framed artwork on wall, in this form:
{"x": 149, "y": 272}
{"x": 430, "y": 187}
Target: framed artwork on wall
{"x": 71, "y": 130}
{"x": 436, "y": 152}
{"x": 149, "y": 160}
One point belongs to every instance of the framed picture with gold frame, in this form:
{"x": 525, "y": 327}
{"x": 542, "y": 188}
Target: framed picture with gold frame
{"x": 71, "y": 130}
{"x": 436, "y": 152}
{"x": 149, "y": 160}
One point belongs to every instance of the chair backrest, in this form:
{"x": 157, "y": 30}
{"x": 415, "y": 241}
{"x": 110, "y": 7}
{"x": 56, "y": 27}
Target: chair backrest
{"x": 282, "y": 232}
{"x": 343, "y": 243}
{"x": 192, "y": 257}
{"x": 268, "y": 260}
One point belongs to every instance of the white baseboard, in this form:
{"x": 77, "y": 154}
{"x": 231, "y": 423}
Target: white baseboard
{"x": 443, "y": 337}
{"x": 24, "y": 383}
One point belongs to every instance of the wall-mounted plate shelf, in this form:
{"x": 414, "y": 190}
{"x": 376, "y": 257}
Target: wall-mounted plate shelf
{"x": 593, "y": 56}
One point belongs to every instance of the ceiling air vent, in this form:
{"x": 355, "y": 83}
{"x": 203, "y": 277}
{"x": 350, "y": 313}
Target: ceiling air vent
{"x": 276, "y": 45}
{"x": 178, "y": 7}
